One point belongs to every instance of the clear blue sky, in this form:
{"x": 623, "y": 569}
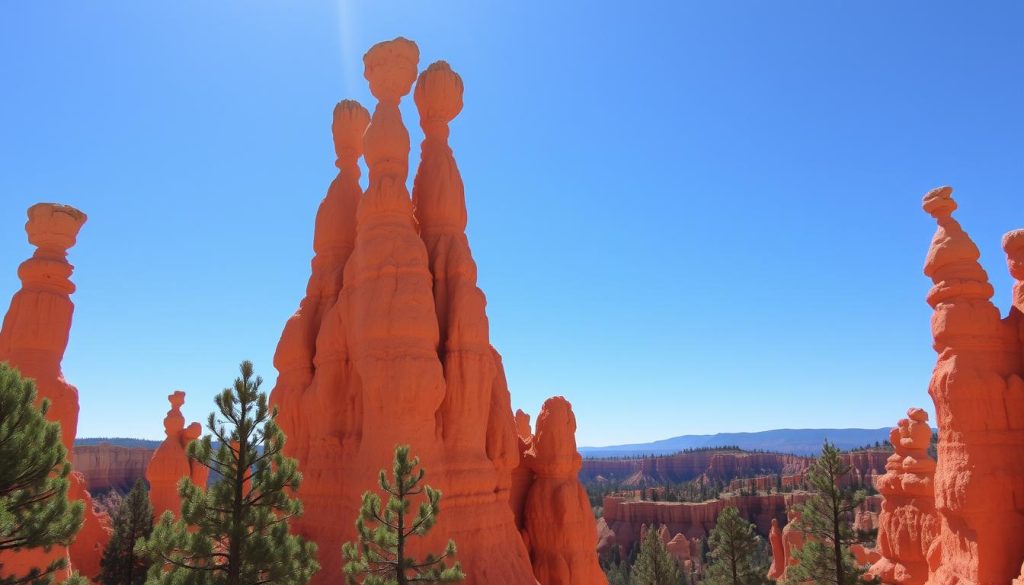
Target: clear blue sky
{"x": 689, "y": 217}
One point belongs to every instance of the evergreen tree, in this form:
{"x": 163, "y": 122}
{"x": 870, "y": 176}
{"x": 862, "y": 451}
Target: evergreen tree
{"x": 235, "y": 532}
{"x": 617, "y": 573}
{"x": 379, "y": 557}
{"x": 34, "y": 507}
{"x": 654, "y": 565}
{"x": 826, "y": 558}
{"x": 133, "y": 520}
{"x": 734, "y": 552}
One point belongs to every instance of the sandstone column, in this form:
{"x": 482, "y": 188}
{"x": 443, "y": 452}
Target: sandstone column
{"x": 979, "y": 404}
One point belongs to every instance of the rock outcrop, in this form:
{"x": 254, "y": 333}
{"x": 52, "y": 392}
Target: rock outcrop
{"x": 979, "y": 403}
{"x": 560, "y": 529}
{"x": 33, "y": 339}
{"x": 908, "y": 522}
{"x": 778, "y": 566}
{"x": 170, "y": 462}
{"x": 391, "y": 345}
{"x": 111, "y": 467}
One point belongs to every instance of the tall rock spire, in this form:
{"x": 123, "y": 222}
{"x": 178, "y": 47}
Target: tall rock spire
{"x": 474, "y": 419}
{"x": 317, "y": 391}
{"x": 33, "y": 339}
{"x": 170, "y": 461}
{"x": 979, "y": 404}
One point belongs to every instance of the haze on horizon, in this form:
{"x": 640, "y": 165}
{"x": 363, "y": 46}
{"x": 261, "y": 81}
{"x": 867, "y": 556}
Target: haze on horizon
{"x": 689, "y": 219}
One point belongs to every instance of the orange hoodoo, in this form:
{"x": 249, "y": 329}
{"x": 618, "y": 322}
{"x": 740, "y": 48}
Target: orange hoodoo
{"x": 391, "y": 345}
{"x": 170, "y": 461}
{"x": 908, "y": 523}
{"x": 979, "y": 404}
{"x": 33, "y": 339}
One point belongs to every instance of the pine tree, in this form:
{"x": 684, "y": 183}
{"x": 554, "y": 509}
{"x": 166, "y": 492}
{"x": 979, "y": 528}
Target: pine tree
{"x": 826, "y": 558}
{"x": 734, "y": 552}
{"x": 654, "y": 565}
{"x": 379, "y": 557}
{"x": 235, "y": 532}
{"x": 34, "y": 506}
{"x": 132, "y": 521}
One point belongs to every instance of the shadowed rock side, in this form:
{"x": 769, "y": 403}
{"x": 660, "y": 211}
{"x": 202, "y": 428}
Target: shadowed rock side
{"x": 979, "y": 404}
{"x": 908, "y": 522}
{"x": 170, "y": 461}
{"x": 391, "y": 344}
{"x": 33, "y": 339}
{"x": 111, "y": 467}
{"x": 559, "y": 523}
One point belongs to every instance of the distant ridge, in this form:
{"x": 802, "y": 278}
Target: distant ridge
{"x": 796, "y": 441}
{"x": 118, "y": 441}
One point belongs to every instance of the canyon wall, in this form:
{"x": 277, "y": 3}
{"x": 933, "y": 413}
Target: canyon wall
{"x": 759, "y": 468}
{"x": 111, "y": 467}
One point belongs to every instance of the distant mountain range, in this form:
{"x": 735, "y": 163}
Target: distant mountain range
{"x": 119, "y": 441}
{"x": 796, "y": 441}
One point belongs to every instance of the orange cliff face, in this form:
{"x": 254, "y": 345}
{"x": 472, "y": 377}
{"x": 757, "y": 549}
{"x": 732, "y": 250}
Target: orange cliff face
{"x": 908, "y": 523}
{"x": 778, "y": 566}
{"x": 33, "y": 339}
{"x": 391, "y": 345}
{"x": 170, "y": 462}
{"x": 979, "y": 403}
{"x": 560, "y": 528}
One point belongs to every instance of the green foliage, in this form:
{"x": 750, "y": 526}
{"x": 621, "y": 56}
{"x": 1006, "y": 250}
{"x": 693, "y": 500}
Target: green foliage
{"x": 736, "y": 555}
{"x": 235, "y": 532}
{"x": 617, "y": 573}
{"x": 379, "y": 557}
{"x": 654, "y": 565}
{"x": 132, "y": 521}
{"x": 34, "y": 507}
{"x": 826, "y": 558}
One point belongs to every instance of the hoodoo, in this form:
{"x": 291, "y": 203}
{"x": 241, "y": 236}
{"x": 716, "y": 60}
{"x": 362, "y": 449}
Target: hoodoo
{"x": 170, "y": 462}
{"x": 391, "y": 344}
{"x": 908, "y": 524}
{"x": 33, "y": 339}
{"x": 979, "y": 404}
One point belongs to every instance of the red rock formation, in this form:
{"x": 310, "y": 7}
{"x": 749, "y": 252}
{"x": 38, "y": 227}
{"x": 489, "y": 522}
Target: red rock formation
{"x": 979, "y": 404}
{"x": 559, "y": 522}
{"x": 624, "y": 517}
{"x": 908, "y": 523}
{"x": 778, "y": 566}
{"x": 111, "y": 467}
{"x": 792, "y": 540}
{"x": 33, "y": 339}
{"x": 170, "y": 462}
{"x": 391, "y": 343}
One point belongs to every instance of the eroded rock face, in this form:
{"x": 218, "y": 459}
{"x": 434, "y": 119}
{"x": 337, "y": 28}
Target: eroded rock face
{"x": 391, "y": 344}
{"x": 560, "y": 524}
{"x": 33, "y": 339}
{"x": 908, "y": 523}
{"x": 170, "y": 462}
{"x": 979, "y": 404}
{"x": 778, "y": 566}
{"x": 111, "y": 467}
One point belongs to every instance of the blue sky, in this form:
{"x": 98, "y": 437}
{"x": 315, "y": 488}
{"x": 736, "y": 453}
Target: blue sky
{"x": 689, "y": 217}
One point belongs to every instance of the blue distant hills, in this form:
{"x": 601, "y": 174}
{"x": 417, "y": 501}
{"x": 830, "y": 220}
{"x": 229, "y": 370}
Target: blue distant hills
{"x": 796, "y": 441}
